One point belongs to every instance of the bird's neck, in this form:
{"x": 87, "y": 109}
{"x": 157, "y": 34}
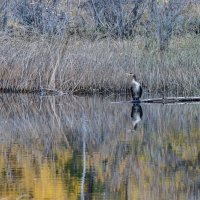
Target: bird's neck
{"x": 134, "y": 80}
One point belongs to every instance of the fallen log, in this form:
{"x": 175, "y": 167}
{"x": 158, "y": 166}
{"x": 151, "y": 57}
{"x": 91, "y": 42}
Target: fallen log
{"x": 165, "y": 100}
{"x": 168, "y": 100}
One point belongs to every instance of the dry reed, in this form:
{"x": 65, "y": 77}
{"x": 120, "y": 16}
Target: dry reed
{"x": 72, "y": 65}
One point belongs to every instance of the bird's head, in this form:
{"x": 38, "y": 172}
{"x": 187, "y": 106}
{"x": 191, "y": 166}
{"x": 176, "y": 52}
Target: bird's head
{"x": 132, "y": 75}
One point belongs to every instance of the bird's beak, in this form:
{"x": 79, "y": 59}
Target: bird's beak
{"x": 128, "y": 74}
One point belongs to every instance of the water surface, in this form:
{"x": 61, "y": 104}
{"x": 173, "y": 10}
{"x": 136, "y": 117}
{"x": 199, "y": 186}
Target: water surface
{"x": 90, "y": 148}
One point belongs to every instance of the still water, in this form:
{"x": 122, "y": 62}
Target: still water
{"x": 66, "y": 148}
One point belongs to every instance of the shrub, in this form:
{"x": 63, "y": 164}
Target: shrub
{"x": 41, "y": 17}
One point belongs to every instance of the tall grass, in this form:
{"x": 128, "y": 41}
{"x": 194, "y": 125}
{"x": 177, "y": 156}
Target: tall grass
{"x": 73, "y": 65}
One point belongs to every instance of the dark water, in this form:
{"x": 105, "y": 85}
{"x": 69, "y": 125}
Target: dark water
{"x": 90, "y": 148}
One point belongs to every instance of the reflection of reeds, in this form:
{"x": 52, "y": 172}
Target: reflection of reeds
{"x": 166, "y": 142}
{"x": 83, "y": 66}
{"x": 56, "y": 117}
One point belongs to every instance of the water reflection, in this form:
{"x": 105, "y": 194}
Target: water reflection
{"x": 136, "y": 115}
{"x": 81, "y": 148}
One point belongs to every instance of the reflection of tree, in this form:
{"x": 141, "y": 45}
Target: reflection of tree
{"x": 41, "y": 147}
{"x": 30, "y": 177}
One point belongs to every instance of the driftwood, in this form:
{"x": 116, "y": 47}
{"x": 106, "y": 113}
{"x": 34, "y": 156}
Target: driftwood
{"x": 165, "y": 100}
{"x": 169, "y": 100}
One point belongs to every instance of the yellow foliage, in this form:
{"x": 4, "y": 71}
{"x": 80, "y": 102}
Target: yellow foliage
{"x": 38, "y": 180}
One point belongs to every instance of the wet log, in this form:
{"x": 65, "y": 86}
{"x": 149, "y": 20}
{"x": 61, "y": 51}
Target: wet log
{"x": 167, "y": 100}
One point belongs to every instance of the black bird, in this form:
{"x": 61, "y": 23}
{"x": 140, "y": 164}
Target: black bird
{"x": 136, "y": 115}
{"x": 136, "y": 88}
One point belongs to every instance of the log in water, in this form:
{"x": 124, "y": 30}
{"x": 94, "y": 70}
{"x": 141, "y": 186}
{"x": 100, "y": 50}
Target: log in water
{"x": 165, "y": 100}
{"x": 168, "y": 100}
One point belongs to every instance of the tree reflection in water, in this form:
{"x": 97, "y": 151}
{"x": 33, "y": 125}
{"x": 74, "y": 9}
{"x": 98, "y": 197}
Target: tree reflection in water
{"x": 48, "y": 150}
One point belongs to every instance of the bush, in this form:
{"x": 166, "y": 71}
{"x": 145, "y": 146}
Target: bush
{"x": 116, "y": 18}
{"x": 41, "y": 17}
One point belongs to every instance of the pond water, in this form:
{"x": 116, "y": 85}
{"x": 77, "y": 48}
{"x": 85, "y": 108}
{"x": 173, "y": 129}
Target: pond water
{"x": 69, "y": 148}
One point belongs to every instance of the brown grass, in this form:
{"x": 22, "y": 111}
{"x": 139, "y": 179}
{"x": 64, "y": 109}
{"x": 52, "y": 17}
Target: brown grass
{"x": 73, "y": 65}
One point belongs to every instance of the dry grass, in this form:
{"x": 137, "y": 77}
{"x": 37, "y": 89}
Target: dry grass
{"x": 73, "y": 65}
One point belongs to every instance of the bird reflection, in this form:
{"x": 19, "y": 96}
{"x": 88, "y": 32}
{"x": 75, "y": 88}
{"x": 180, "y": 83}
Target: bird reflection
{"x": 136, "y": 115}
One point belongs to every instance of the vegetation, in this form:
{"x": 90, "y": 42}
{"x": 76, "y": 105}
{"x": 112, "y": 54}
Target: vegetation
{"x": 89, "y": 46}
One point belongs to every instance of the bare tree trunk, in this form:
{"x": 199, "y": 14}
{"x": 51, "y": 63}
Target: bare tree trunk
{"x": 115, "y": 17}
{"x": 4, "y": 10}
{"x": 5, "y": 21}
{"x": 165, "y": 16}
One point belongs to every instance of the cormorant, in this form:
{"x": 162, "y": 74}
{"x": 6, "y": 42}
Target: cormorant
{"x": 136, "y": 89}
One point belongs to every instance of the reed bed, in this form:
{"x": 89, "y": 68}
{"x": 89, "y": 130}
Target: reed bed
{"x": 81, "y": 66}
